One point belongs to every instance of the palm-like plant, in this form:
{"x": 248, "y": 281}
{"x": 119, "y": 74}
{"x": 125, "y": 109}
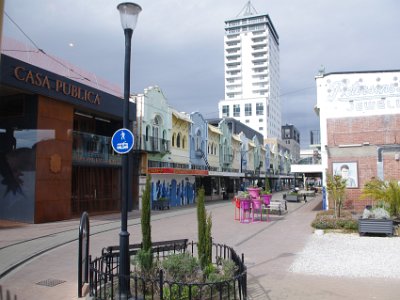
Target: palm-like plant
{"x": 267, "y": 189}
{"x": 386, "y": 191}
{"x": 336, "y": 186}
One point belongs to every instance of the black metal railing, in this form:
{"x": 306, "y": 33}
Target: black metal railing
{"x": 153, "y": 144}
{"x": 7, "y": 295}
{"x": 164, "y": 164}
{"x": 104, "y": 273}
{"x": 83, "y": 252}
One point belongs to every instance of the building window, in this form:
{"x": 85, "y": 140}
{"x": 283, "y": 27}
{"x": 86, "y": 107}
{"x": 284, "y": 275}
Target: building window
{"x": 183, "y": 142}
{"x": 225, "y": 110}
{"x": 147, "y": 132}
{"x": 247, "y": 121}
{"x": 198, "y": 141}
{"x": 261, "y": 128}
{"x": 260, "y": 120}
{"x": 247, "y": 109}
{"x": 287, "y": 133}
{"x": 236, "y": 110}
{"x": 259, "y": 109}
{"x": 173, "y": 140}
{"x": 178, "y": 140}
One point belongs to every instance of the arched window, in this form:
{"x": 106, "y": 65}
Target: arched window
{"x": 183, "y": 142}
{"x": 156, "y": 125}
{"x": 208, "y": 148}
{"x": 173, "y": 140}
{"x": 198, "y": 140}
{"x": 178, "y": 140}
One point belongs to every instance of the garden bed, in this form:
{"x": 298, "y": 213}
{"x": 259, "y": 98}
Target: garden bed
{"x": 162, "y": 284}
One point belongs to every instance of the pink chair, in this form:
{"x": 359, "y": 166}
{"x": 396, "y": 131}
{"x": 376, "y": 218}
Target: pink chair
{"x": 245, "y": 211}
{"x": 236, "y": 202}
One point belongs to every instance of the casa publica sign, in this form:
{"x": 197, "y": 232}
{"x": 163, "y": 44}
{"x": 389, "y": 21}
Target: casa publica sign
{"x": 32, "y": 79}
{"x": 41, "y": 80}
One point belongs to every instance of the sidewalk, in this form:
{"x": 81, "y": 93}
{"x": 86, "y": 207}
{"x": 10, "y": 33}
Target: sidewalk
{"x": 269, "y": 249}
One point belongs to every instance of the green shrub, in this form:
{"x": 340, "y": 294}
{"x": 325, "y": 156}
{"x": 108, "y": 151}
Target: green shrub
{"x": 204, "y": 226}
{"x": 146, "y": 224}
{"x": 327, "y": 220}
{"x": 181, "y": 267}
{"x": 180, "y": 293}
{"x": 143, "y": 259}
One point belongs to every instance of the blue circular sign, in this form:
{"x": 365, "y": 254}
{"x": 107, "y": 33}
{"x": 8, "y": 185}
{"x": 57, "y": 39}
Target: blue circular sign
{"x": 122, "y": 141}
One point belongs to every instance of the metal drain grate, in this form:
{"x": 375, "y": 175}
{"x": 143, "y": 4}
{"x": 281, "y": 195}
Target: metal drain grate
{"x": 50, "y": 282}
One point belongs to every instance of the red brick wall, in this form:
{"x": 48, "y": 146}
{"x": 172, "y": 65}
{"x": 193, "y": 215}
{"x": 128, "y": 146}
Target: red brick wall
{"x": 378, "y": 131}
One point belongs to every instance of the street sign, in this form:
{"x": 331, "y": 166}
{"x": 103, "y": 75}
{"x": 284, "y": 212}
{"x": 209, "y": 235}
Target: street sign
{"x": 122, "y": 141}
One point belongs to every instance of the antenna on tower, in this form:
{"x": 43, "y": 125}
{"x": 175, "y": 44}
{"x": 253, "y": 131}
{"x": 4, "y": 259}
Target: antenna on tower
{"x": 247, "y": 10}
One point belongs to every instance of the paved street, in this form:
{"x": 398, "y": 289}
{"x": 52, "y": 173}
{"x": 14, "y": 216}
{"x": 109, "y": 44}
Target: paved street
{"x": 269, "y": 249}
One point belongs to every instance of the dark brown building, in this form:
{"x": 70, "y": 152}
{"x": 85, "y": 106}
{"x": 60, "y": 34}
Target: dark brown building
{"x": 56, "y": 159}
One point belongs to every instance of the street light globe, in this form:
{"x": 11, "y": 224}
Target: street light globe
{"x": 129, "y": 13}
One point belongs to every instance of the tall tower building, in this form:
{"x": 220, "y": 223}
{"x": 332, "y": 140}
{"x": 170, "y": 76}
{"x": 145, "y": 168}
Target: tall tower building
{"x": 251, "y": 46}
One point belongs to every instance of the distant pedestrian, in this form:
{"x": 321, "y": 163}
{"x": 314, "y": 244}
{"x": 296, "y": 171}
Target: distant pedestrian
{"x": 305, "y": 197}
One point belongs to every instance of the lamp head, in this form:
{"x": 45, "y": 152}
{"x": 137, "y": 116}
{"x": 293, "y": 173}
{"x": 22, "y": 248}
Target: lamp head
{"x": 129, "y": 13}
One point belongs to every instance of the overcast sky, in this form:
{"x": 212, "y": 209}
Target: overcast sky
{"x": 178, "y": 44}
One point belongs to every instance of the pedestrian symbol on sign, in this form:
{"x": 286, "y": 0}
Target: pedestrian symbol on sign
{"x": 122, "y": 141}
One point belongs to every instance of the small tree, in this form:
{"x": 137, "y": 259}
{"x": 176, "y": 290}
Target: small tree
{"x": 336, "y": 187}
{"x": 386, "y": 191}
{"x": 267, "y": 188}
{"x": 204, "y": 225}
{"x": 146, "y": 255}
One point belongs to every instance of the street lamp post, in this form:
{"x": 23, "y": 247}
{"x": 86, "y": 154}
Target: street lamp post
{"x": 129, "y": 13}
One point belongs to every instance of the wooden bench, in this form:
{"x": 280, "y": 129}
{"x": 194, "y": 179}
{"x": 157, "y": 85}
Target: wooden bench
{"x": 156, "y": 247}
{"x": 160, "y": 204}
{"x": 279, "y": 205}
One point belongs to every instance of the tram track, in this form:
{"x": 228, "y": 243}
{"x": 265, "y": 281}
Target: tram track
{"x": 19, "y": 253}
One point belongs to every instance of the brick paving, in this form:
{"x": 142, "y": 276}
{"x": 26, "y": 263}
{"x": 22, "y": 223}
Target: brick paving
{"x": 269, "y": 249}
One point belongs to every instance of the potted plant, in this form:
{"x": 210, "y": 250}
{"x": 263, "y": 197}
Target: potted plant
{"x": 254, "y": 191}
{"x": 266, "y": 192}
{"x": 385, "y": 191}
{"x": 379, "y": 219}
{"x": 375, "y": 220}
{"x": 243, "y": 195}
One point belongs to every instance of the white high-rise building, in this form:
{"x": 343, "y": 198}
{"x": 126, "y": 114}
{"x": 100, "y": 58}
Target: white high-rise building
{"x": 251, "y": 46}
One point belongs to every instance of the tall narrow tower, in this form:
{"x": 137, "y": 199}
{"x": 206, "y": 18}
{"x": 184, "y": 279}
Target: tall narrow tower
{"x": 251, "y": 46}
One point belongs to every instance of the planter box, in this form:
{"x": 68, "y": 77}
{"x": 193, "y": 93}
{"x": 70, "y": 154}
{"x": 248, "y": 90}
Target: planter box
{"x": 160, "y": 204}
{"x": 295, "y": 198}
{"x": 375, "y": 226}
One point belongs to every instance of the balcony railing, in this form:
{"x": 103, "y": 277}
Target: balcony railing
{"x": 90, "y": 148}
{"x": 152, "y": 144}
{"x": 165, "y": 164}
